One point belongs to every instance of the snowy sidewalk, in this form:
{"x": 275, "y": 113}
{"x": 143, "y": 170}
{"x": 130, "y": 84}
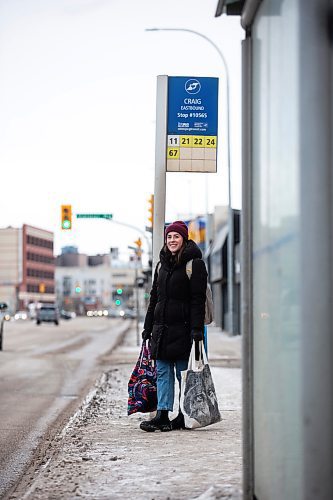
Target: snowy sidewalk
{"x": 102, "y": 453}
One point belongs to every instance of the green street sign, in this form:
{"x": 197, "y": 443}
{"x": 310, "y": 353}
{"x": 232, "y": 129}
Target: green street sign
{"x": 94, "y": 216}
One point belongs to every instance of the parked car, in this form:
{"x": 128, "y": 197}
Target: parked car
{"x": 48, "y": 313}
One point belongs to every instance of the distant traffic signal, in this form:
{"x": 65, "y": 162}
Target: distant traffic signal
{"x": 151, "y": 210}
{"x": 66, "y": 217}
{"x": 138, "y": 242}
{"x": 138, "y": 250}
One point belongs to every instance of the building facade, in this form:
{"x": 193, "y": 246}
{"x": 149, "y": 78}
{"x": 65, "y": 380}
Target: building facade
{"x": 85, "y": 283}
{"x": 217, "y": 260}
{"x": 26, "y": 266}
{"x": 83, "y": 288}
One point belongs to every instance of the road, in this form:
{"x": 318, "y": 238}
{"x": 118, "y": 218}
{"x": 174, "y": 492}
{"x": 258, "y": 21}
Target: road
{"x": 45, "y": 371}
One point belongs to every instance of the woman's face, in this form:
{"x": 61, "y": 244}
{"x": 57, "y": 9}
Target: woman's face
{"x": 174, "y": 242}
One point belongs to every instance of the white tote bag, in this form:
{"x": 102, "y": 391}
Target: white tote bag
{"x": 198, "y": 401}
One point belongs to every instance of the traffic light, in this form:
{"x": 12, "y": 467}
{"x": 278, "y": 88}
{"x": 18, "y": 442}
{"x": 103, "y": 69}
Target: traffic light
{"x": 119, "y": 291}
{"x": 138, "y": 242}
{"x": 66, "y": 217}
{"x": 41, "y": 287}
{"x": 151, "y": 210}
{"x": 138, "y": 250}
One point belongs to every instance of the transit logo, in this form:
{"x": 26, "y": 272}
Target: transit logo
{"x": 192, "y": 86}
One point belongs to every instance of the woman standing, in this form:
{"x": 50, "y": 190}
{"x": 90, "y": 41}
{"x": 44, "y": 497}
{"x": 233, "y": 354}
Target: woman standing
{"x": 174, "y": 319}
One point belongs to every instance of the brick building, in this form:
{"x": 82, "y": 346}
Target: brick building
{"x": 26, "y": 266}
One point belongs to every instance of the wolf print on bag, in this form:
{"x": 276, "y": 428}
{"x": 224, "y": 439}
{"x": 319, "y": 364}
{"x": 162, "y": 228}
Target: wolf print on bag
{"x": 200, "y": 400}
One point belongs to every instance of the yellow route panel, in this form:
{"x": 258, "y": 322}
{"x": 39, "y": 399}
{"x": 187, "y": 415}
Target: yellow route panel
{"x": 210, "y": 141}
{"x": 186, "y": 141}
{"x": 173, "y": 153}
{"x": 198, "y": 141}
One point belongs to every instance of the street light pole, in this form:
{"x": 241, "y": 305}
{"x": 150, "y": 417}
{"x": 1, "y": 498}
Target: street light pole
{"x": 230, "y": 270}
{"x": 125, "y": 224}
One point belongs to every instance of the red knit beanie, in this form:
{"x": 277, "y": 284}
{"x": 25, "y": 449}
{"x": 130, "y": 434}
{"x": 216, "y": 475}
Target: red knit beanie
{"x": 178, "y": 227}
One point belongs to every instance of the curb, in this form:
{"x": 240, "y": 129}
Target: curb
{"x": 44, "y": 453}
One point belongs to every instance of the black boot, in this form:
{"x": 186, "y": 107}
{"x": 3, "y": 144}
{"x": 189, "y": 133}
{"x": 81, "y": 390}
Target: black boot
{"x": 159, "y": 423}
{"x": 178, "y": 422}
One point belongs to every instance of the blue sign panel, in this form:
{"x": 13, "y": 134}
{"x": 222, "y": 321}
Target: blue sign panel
{"x": 192, "y": 105}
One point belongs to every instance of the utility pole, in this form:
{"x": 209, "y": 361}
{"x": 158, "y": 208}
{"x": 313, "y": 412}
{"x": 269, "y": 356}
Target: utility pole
{"x": 137, "y": 257}
{"x": 3, "y": 308}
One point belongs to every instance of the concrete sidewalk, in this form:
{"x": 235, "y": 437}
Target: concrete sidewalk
{"x": 102, "y": 453}
{"x": 224, "y": 350}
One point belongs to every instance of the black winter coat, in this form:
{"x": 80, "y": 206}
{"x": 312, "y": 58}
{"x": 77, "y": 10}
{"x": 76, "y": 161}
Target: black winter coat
{"x": 177, "y": 303}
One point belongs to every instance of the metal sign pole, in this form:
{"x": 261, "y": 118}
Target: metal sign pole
{"x": 160, "y": 175}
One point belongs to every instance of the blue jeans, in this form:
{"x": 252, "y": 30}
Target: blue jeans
{"x": 166, "y": 381}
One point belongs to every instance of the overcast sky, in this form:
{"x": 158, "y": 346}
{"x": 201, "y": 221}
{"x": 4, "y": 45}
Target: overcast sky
{"x": 77, "y": 111}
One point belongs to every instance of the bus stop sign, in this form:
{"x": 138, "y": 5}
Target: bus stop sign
{"x": 192, "y": 122}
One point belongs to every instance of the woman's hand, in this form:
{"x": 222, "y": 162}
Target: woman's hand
{"x": 146, "y": 335}
{"x": 197, "y": 335}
